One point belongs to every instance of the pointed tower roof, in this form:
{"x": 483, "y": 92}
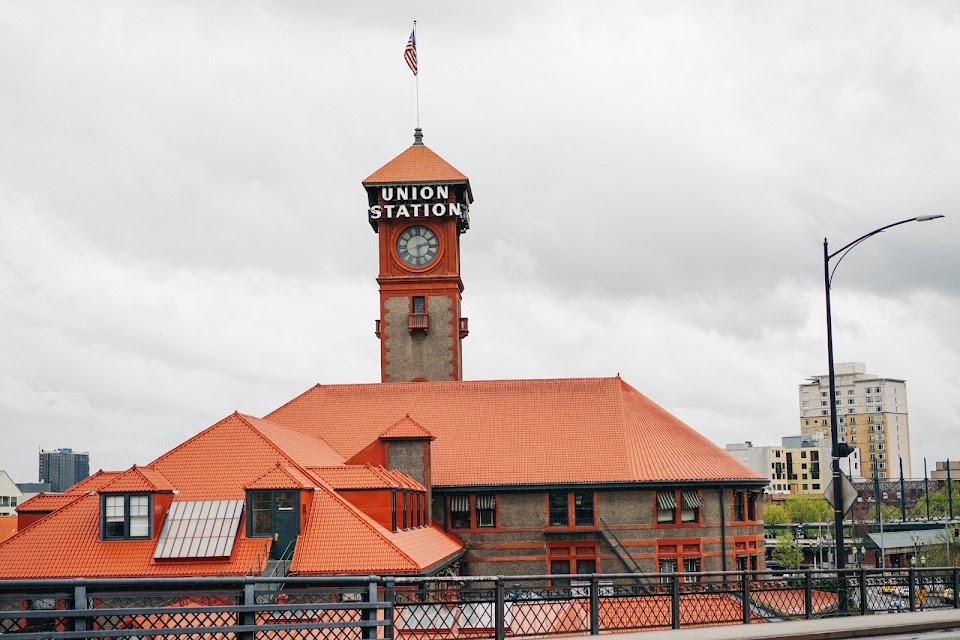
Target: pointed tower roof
{"x": 418, "y": 164}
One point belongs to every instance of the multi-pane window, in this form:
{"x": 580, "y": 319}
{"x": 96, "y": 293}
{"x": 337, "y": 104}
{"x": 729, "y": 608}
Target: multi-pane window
{"x": 261, "y": 514}
{"x": 578, "y": 505}
{"x": 460, "y": 512}
{"x": 691, "y": 565}
{"x": 559, "y": 513}
{"x": 126, "y": 516}
{"x": 667, "y": 565}
{"x": 739, "y": 506}
{"x": 690, "y": 511}
{"x": 583, "y": 510}
{"x": 486, "y": 511}
{"x": 666, "y": 507}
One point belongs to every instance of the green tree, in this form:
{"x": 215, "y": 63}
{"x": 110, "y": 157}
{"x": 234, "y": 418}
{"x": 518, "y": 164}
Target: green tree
{"x": 888, "y": 512}
{"x": 786, "y": 552}
{"x": 939, "y": 504}
{"x": 775, "y": 514}
{"x": 801, "y": 509}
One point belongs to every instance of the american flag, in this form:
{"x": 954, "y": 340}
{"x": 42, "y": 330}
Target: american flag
{"x": 410, "y": 53}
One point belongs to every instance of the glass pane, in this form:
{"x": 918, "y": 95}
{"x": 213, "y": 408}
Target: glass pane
{"x": 559, "y": 516}
{"x": 583, "y": 509}
{"x": 261, "y": 521}
{"x": 139, "y": 527}
{"x": 139, "y": 505}
{"x": 285, "y": 501}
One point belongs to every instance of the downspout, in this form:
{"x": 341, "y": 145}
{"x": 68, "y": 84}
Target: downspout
{"x": 723, "y": 532}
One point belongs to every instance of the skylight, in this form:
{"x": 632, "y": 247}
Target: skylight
{"x": 200, "y": 529}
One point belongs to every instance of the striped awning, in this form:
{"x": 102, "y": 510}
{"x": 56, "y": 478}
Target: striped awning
{"x": 459, "y": 503}
{"x": 486, "y": 502}
{"x": 691, "y": 500}
{"x": 666, "y": 500}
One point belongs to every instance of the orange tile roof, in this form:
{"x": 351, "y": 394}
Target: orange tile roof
{"x": 94, "y": 482}
{"x": 361, "y": 545}
{"x": 283, "y": 476}
{"x": 138, "y": 479}
{"x": 47, "y": 502}
{"x": 220, "y": 461}
{"x": 76, "y": 527}
{"x": 417, "y": 164}
{"x": 8, "y": 527}
{"x": 563, "y": 431}
{"x": 361, "y": 476}
{"x": 405, "y": 428}
{"x": 406, "y": 481}
{"x": 790, "y": 601}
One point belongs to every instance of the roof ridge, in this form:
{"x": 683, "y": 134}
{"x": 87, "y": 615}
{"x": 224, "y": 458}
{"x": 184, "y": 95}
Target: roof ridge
{"x": 302, "y": 469}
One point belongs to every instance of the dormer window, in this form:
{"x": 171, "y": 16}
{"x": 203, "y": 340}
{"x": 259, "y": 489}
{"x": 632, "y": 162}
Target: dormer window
{"x": 125, "y": 516}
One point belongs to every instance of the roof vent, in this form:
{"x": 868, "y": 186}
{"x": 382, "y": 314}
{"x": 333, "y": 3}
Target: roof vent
{"x": 418, "y": 137}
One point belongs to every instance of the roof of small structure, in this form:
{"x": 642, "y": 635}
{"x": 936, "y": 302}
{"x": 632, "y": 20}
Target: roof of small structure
{"x": 417, "y": 164}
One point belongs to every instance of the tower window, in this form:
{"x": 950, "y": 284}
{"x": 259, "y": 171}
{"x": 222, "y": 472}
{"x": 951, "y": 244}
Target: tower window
{"x": 418, "y": 314}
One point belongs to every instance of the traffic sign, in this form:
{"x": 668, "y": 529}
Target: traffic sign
{"x": 847, "y": 490}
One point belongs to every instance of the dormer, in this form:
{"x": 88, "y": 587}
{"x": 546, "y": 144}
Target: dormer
{"x": 277, "y": 504}
{"x": 397, "y": 502}
{"x": 133, "y": 504}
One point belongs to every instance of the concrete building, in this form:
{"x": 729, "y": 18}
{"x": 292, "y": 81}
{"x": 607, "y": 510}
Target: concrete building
{"x": 944, "y": 468}
{"x": 63, "y": 468}
{"x": 799, "y": 465}
{"x": 871, "y": 415}
{"x": 10, "y": 495}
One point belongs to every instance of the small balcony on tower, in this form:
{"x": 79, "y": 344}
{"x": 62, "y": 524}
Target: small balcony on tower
{"x": 419, "y": 322}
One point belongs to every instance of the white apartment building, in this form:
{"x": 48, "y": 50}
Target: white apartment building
{"x": 871, "y": 415}
{"x": 800, "y": 465}
{"x": 10, "y": 495}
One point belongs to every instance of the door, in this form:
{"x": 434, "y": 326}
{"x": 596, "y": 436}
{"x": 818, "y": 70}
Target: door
{"x": 286, "y": 523}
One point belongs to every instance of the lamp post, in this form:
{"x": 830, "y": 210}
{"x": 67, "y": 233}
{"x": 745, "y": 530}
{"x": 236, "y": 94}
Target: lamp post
{"x": 836, "y": 450}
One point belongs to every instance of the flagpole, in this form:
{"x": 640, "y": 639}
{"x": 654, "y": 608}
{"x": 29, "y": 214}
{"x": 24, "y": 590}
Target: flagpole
{"x": 417, "y": 75}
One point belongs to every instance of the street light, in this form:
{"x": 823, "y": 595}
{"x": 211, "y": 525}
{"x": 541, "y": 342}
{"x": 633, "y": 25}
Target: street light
{"x": 836, "y": 450}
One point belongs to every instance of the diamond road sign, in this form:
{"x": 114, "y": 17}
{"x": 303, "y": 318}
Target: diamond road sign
{"x": 847, "y": 489}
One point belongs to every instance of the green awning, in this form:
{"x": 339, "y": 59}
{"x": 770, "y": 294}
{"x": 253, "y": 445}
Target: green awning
{"x": 666, "y": 500}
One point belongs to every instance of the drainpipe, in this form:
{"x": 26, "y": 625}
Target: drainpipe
{"x": 723, "y": 532}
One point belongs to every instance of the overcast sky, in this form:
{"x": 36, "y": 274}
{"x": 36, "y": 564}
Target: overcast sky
{"x": 183, "y": 231}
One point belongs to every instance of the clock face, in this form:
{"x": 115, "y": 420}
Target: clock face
{"x": 417, "y": 246}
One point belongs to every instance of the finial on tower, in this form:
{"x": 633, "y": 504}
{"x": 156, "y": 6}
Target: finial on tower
{"x": 418, "y": 137}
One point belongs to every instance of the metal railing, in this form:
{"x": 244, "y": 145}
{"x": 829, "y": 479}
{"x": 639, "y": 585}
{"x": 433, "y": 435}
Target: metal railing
{"x": 361, "y": 608}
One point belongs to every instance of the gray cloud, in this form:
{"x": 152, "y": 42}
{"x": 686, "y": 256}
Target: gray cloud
{"x": 182, "y": 228}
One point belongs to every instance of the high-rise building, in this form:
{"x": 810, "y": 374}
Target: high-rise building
{"x": 63, "y": 468}
{"x": 800, "y": 465}
{"x": 871, "y": 416}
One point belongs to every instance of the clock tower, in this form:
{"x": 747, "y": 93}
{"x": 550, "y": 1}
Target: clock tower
{"x": 419, "y": 205}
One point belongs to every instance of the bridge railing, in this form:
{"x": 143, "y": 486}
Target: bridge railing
{"x": 367, "y": 607}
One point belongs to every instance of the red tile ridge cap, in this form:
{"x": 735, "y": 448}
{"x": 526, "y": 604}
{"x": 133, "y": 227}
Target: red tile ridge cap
{"x": 253, "y": 422}
{"x": 306, "y": 480}
{"x": 367, "y": 468}
{"x": 27, "y": 506}
{"x": 98, "y": 479}
{"x": 245, "y": 420}
{"x": 147, "y": 474}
